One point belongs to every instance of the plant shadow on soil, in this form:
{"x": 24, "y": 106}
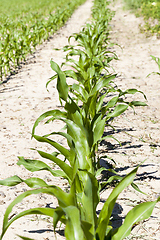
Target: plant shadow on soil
{"x": 116, "y": 220}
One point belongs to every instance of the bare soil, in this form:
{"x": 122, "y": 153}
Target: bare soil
{"x": 24, "y": 98}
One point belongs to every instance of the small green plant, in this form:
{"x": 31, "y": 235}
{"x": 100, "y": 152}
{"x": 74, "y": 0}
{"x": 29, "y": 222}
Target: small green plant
{"x": 157, "y": 60}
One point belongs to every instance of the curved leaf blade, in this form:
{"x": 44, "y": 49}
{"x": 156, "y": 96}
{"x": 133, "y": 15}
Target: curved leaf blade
{"x": 140, "y": 212}
{"x": 62, "y": 86}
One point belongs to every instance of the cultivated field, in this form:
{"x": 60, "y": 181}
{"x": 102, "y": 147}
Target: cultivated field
{"x": 23, "y": 98}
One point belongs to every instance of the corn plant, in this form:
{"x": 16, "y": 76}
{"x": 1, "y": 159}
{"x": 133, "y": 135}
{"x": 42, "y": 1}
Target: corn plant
{"x": 93, "y": 83}
{"x": 93, "y": 113}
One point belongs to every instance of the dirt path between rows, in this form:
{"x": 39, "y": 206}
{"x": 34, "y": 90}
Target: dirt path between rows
{"x": 24, "y": 97}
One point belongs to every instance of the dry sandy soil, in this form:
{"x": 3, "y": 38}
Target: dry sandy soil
{"x": 24, "y": 98}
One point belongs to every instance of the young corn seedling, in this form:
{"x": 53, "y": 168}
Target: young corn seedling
{"x": 157, "y": 60}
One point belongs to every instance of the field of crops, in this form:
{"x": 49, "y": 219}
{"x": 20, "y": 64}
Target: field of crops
{"x": 150, "y": 10}
{"x": 25, "y": 24}
{"x": 88, "y": 107}
{"x": 92, "y": 99}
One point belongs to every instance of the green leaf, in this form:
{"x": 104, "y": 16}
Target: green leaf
{"x": 79, "y": 136}
{"x": 98, "y": 130}
{"x": 137, "y": 103}
{"x": 140, "y": 212}
{"x": 100, "y": 102}
{"x": 73, "y": 230}
{"x": 11, "y": 181}
{"x": 131, "y": 91}
{"x": 110, "y": 202}
{"x": 53, "y": 113}
{"x": 119, "y": 109}
{"x": 37, "y": 165}
{"x": 135, "y": 186}
{"x": 57, "y": 215}
{"x": 90, "y": 198}
{"x": 64, "y": 166}
{"x": 81, "y": 91}
{"x": 31, "y": 182}
{"x": 157, "y": 60}
{"x": 62, "y": 86}
{"x": 59, "y": 147}
{"x": 64, "y": 200}
{"x": 101, "y": 84}
{"x": 25, "y": 238}
{"x": 111, "y": 103}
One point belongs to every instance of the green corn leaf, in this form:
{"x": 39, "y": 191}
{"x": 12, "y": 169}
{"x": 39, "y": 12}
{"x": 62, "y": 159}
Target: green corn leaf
{"x": 119, "y": 109}
{"x": 53, "y": 113}
{"x": 91, "y": 105}
{"x": 111, "y": 103}
{"x": 59, "y": 147}
{"x": 11, "y": 181}
{"x": 25, "y": 238}
{"x": 31, "y": 182}
{"x": 135, "y": 186}
{"x": 57, "y": 216}
{"x": 110, "y": 136}
{"x": 71, "y": 74}
{"x": 90, "y": 198}
{"x": 99, "y": 171}
{"x": 64, "y": 199}
{"x": 91, "y": 72}
{"x": 131, "y": 91}
{"x": 98, "y": 131}
{"x": 140, "y": 212}
{"x": 101, "y": 84}
{"x": 100, "y": 102}
{"x": 86, "y": 226}
{"x": 37, "y": 165}
{"x": 137, "y": 103}
{"x": 64, "y": 166}
{"x": 157, "y": 60}
{"x": 81, "y": 143}
{"x": 63, "y": 134}
{"x": 109, "y": 204}
{"x": 82, "y": 92}
{"x": 80, "y": 138}
{"x": 73, "y": 230}
{"x": 62, "y": 86}
{"x": 51, "y": 79}
{"x": 38, "y": 211}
